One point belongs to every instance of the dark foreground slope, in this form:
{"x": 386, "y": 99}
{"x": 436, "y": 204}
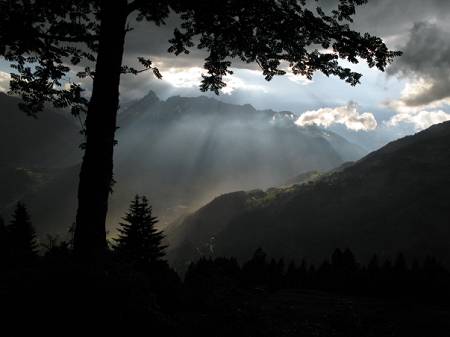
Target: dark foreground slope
{"x": 51, "y": 140}
{"x": 394, "y": 200}
{"x": 38, "y": 164}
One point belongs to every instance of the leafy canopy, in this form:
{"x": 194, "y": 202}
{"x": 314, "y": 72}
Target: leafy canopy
{"x": 58, "y": 40}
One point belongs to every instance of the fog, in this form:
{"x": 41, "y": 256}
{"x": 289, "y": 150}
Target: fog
{"x": 180, "y": 152}
{"x": 183, "y": 152}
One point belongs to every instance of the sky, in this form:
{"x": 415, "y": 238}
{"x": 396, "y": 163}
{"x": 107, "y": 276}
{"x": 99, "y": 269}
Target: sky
{"x": 411, "y": 95}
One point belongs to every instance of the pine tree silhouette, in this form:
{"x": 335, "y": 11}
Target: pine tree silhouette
{"x": 337, "y": 259}
{"x": 139, "y": 242}
{"x": 349, "y": 261}
{"x": 400, "y": 264}
{"x": 3, "y": 243}
{"x": 23, "y": 245}
{"x": 374, "y": 265}
{"x": 291, "y": 279}
{"x": 255, "y": 270}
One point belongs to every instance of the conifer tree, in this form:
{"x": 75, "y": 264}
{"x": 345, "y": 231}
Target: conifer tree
{"x": 349, "y": 261}
{"x": 3, "y": 242}
{"x": 291, "y": 275}
{"x": 139, "y": 242}
{"x": 374, "y": 265}
{"x": 255, "y": 270}
{"x": 400, "y": 265}
{"x": 22, "y": 237}
{"x": 337, "y": 259}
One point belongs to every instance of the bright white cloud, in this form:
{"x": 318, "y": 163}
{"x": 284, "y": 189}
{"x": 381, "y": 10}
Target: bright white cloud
{"x": 298, "y": 79}
{"x": 235, "y": 82}
{"x": 420, "y": 116}
{"x": 347, "y": 115}
{"x": 182, "y": 77}
{"x": 421, "y": 119}
{"x": 191, "y": 78}
{"x": 4, "y": 81}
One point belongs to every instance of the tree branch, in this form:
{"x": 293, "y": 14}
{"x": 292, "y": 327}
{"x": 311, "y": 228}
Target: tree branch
{"x": 74, "y": 39}
{"x": 132, "y": 6}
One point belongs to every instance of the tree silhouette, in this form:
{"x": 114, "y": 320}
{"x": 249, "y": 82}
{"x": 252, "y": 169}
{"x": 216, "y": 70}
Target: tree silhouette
{"x": 374, "y": 265}
{"x": 400, "y": 264}
{"x": 337, "y": 259}
{"x": 349, "y": 261}
{"x": 22, "y": 237}
{"x": 291, "y": 277}
{"x": 255, "y": 270}
{"x": 57, "y": 38}
{"x": 3, "y": 243}
{"x": 139, "y": 242}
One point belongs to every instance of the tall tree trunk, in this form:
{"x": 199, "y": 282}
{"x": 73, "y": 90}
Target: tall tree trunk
{"x": 97, "y": 166}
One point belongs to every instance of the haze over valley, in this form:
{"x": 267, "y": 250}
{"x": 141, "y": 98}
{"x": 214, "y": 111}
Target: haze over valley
{"x": 182, "y": 152}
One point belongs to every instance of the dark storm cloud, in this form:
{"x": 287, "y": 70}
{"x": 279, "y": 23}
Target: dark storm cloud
{"x": 386, "y": 18}
{"x": 416, "y": 27}
{"x": 427, "y": 57}
{"x": 148, "y": 40}
{"x": 391, "y": 17}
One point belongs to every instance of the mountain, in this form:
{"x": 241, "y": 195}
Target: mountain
{"x": 37, "y": 159}
{"x": 186, "y": 150}
{"x": 181, "y": 152}
{"x": 393, "y": 200}
{"x": 51, "y": 140}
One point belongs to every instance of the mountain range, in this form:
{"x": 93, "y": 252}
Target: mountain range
{"x": 394, "y": 200}
{"x": 180, "y": 152}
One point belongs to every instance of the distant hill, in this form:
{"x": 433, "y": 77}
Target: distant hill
{"x": 393, "y": 200}
{"x": 37, "y": 155}
{"x": 181, "y": 152}
{"x": 51, "y": 140}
